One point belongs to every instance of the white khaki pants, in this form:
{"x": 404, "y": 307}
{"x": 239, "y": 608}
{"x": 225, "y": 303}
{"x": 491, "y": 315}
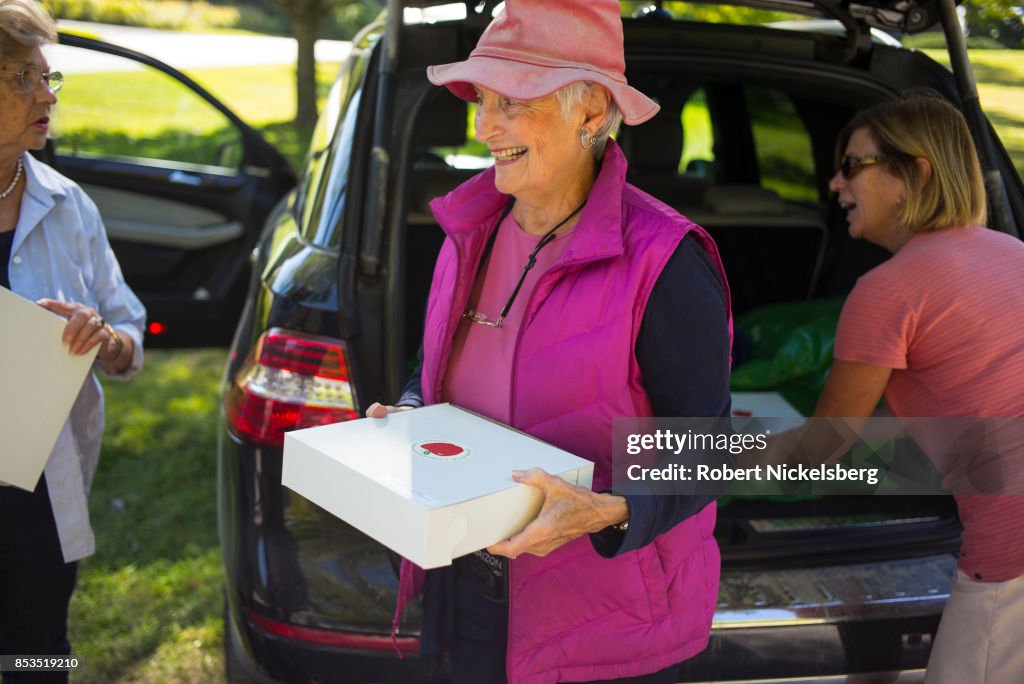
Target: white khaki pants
{"x": 979, "y": 637}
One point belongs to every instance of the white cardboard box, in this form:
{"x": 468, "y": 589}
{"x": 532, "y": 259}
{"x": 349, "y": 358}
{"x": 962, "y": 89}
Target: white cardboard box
{"x": 762, "y": 405}
{"x": 768, "y": 405}
{"x": 432, "y": 484}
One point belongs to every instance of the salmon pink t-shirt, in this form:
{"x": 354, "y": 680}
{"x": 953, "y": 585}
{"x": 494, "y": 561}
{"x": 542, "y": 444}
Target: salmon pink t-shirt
{"x": 946, "y": 314}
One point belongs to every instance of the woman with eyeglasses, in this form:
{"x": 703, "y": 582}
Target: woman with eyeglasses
{"x": 936, "y": 331}
{"x": 563, "y": 297}
{"x": 53, "y": 251}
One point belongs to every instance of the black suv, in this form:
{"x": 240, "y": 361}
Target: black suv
{"x": 744, "y": 145}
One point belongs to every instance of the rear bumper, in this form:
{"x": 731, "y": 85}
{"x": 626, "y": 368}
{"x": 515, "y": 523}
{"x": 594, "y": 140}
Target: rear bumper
{"x": 828, "y": 654}
{"x": 905, "y": 677}
{"x": 827, "y": 622}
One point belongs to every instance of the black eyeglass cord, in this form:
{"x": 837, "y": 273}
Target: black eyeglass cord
{"x": 531, "y": 261}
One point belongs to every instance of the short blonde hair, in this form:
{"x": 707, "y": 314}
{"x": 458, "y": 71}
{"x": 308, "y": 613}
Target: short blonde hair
{"x": 921, "y": 124}
{"x": 24, "y": 24}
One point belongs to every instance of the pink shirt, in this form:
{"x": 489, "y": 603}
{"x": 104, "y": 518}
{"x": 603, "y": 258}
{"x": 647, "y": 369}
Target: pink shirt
{"x": 479, "y": 372}
{"x": 945, "y": 313}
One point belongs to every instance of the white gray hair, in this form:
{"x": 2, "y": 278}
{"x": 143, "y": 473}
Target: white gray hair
{"x": 24, "y": 24}
{"x": 570, "y": 96}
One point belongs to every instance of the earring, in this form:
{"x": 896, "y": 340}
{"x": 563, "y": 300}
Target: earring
{"x": 586, "y": 140}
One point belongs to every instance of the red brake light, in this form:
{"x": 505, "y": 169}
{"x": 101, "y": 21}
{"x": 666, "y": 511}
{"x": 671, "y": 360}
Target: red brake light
{"x": 304, "y": 355}
{"x": 157, "y": 328}
{"x": 289, "y": 381}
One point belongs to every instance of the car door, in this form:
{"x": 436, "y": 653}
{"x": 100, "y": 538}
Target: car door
{"x": 184, "y": 186}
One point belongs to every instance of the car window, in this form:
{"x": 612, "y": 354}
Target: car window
{"x": 113, "y": 107}
{"x": 469, "y": 155}
{"x": 698, "y": 136}
{"x": 321, "y": 200}
{"x": 783, "y": 145}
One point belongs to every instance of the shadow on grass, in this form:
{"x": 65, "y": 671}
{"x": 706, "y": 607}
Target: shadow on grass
{"x": 999, "y": 74}
{"x": 1002, "y": 120}
{"x": 996, "y": 75}
{"x": 990, "y": 66}
{"x": 148, "y": 604}
{"x": 154, "y": 496}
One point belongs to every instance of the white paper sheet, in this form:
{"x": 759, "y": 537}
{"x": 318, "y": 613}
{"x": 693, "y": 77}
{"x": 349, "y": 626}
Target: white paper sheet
{"x": 40, "y": 383}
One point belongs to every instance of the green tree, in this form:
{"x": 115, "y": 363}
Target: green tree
{"x": 1002, "y": 20}
{"x": 305, "y": 17}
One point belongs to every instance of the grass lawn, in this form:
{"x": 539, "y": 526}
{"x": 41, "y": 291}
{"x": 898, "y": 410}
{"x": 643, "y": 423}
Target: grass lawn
{"x": 265, "y": 98}
{"x": 1000, "y": 74}
{"x": 160, "y": 119}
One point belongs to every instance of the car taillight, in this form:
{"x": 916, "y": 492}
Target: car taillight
{"x": 351, "y": 640}
{"x": 290, "y": 380}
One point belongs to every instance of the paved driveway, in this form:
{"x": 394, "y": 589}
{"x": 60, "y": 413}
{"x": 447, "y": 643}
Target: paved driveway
{"x": 188, "y": 50}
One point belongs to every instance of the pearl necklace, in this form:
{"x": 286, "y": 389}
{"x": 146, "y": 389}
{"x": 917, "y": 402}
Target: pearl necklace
{"x": 17, "y": 177}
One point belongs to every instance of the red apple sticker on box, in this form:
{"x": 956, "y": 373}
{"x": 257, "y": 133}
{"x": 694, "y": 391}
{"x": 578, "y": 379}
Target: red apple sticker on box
{"x": 440, "y": 450}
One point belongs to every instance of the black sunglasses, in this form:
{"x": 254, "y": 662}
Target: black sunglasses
{"x": 849, "y": 165}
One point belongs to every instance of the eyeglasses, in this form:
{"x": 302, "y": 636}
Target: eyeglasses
{"x": 849, "y": 165}
{"x": 33, "y": 76}
{"x": 482, "y": 319}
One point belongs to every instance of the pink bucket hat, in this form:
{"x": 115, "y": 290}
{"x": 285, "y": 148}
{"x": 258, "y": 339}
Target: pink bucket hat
{"x": 534, "y": 47}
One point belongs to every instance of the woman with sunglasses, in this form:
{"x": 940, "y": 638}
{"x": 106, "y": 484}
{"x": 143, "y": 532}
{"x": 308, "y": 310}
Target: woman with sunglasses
{"x": 563, "y": 297}
{"x": 936, "y": 331}
{"x": 53, "y": 251}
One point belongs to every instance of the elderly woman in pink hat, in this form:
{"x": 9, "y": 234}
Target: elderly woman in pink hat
{"x": 563, "y": 297}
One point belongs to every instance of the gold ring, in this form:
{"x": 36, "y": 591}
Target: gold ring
{"x": 97, "y": 321}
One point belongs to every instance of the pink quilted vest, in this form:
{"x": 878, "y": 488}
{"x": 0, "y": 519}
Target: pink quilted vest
{"x": 573, "y": 615}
